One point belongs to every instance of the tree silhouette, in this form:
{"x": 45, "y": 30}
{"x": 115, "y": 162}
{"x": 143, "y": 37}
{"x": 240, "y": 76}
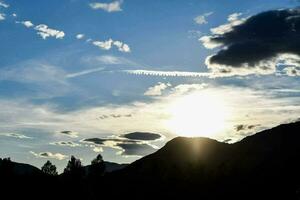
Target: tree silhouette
{"x": 74, "y": 168}
{"x": 6, "y": 167}
{"x": 49, "y": 168}
{"x": 97, "y": 167}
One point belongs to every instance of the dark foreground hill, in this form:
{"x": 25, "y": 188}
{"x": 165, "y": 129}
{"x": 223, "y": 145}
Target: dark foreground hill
{"x": 265, "y": 165}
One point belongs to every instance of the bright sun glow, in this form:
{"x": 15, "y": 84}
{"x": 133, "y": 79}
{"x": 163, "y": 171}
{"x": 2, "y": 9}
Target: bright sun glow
{"x": 198, "y": 114}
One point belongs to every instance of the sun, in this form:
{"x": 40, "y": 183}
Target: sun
{"x": 198, "y": 114}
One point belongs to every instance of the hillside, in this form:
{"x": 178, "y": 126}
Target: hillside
{"x": 264, "y": 165}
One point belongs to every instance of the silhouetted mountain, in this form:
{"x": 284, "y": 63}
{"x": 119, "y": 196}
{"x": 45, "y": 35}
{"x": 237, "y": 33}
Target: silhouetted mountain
{"x": 18, "y": 169}
{"x": 262, "y": 166}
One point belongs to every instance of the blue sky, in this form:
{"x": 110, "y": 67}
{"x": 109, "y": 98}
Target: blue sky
{"x": 100, "y": 69}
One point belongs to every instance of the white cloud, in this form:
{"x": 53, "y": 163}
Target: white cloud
{"x": 47, "y": 155}
{"x": 201, "y": 19}
{"x": 97, "y": 149}
{"x": 121, "y": 46}
{"x": 15, "y": 135}
{"x": 14, "y": 15}
{"x": 157, "y": 89}
{"x": 80, "y": 36}
{"x": 114, "y": 6}
{"x": 233, "y": 20}
{"x": 28, "y": 24}
{"x": 2, "y": 16}
{"x": 234, "y": 17}
{"x": 44, "y": 31}
{"x": 107, "y": 45}
{"x": 4, "y": 5}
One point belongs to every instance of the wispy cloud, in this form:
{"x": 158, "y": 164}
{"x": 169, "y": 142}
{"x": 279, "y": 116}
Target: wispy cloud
{"x": 57, "y": 156}
{"x": 84, "y": 72}
{"x": 4, "y": 5}
{"x": 114, "y": 6}
{"x": 201, "y": 19}
{"x": 15, "y": 135}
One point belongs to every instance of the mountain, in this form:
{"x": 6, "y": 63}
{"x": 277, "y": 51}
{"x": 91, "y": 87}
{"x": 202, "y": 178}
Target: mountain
{"x": 266, "y": 164}
{"x": 18, "y": 169}
{"x": 262, "y": 166}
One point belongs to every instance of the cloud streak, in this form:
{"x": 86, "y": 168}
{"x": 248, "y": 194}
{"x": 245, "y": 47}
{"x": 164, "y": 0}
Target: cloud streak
{"x": 15, "y": 135}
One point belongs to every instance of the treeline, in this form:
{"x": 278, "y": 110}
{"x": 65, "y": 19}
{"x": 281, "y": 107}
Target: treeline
{"x": 74, "y": 168}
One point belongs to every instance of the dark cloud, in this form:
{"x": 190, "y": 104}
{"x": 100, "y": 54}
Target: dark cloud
{"x": 136, "y": 149}
{"x": 70, "y": 133}
{"x": 131, "y": 144}
{"x": 142, "y": 136}
{"x": 243, "y": 127}
{"x": 66, "y": 143}
{"x": 114, "y": 116}
{"x": 255, "y": 41}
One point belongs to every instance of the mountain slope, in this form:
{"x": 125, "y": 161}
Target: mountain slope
{"x": 265, "y": 164}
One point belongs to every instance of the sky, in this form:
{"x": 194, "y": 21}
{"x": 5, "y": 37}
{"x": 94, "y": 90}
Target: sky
{"x": 87, "y": 77}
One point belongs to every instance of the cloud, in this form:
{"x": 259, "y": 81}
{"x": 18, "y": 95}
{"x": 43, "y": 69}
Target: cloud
{"x": 136, "y": 149}
{"x": 292, "y": 71}
{"x": 131, "y": 144}
{"x": 114, "y": 6}
{"x": 84, "y": 72}
{"x": 201, "y": 19}
{"x": 2, "y": 16}
{"x": 245, "y": 127}
{"x": 33, "y": 72}
{"x": 4, "y": 5}
{"x": 114, "y": 116}
{"x": 93, "y": 60}
{"x": 66, "y": 143}
{"x": 255, "y": 45}
{"x": 71, "y": 134}
{"x": 27, "y": 23}
{"x": 108, "y": 44}
{"x": 57, "y": 156}
{"x": 167, "y": 73}
{"x": 142, "y": 136}
{"x": 157, "y": 89}
{"x": 79, "y": 36}
{"x": 44, "y": 31}
{"x": 97, "y": 149}
{"x": 15, "y": 135}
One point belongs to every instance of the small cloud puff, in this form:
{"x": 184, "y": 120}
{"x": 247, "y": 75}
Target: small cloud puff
{"x": 114, "y": 6}
{"x": 47, "y": 155}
